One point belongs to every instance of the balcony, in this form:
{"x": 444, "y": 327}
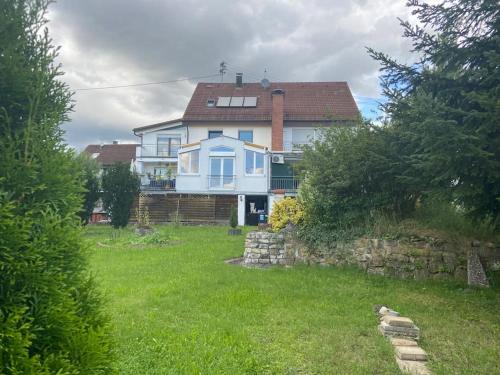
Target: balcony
{"x": 288, "y": 184}
{"x": 154, "y": 184}
{"x": 295, "y": 146}
{"x": 158, "y": 151}
{"x": 221, "y": 182}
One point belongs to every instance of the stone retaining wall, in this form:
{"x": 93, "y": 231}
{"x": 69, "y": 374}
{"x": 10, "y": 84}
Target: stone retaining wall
{"x": 416, "y": 258}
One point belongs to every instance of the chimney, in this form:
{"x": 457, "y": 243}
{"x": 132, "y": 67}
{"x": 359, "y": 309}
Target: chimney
{"x": 239, "y": 79}
{"x": 278, "y": 103}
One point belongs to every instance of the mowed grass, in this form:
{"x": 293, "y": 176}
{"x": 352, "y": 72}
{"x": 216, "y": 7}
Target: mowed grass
{"x": 179, "y": 309}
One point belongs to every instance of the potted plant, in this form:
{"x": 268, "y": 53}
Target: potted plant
{"x": 233, "y": 222}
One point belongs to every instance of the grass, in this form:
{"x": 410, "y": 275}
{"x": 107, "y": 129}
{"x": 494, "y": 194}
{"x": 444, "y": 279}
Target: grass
{"x": 177, "y": 308}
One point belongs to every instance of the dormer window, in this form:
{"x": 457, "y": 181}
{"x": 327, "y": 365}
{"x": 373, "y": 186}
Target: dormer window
{"x": 211, "y": 103}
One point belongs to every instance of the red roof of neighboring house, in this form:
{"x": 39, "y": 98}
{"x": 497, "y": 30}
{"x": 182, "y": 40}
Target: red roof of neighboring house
{"x": 304, "y": 101}
{"x": 109, "y": 154}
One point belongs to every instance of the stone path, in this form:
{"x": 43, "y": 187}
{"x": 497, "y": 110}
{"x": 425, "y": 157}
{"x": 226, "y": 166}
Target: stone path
{"x": 403, "y": 334}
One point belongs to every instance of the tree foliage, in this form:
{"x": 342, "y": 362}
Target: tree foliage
{"x": 120, "y": 187}
{"x": 90, "y": 175}
{"x": 50, "y": 314}
{"x": 445, "y": 107}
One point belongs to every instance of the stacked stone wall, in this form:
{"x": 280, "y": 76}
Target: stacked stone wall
{"x": 416, "y": 258}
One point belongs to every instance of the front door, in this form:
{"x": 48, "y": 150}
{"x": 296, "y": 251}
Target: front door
{"x": 221, "y": 173}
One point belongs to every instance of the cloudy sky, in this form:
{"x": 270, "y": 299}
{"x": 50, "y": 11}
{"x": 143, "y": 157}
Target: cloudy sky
{"x": 119, "y": 42}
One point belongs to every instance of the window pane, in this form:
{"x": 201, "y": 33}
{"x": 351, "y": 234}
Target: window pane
{"x": 184, "y": 159}
{"x": 246, "y": 135}
{"x": 215, "y": 171}
{"x": 214, "y": 133}
{"x": 228, "y": 179}
{"x": 249, "y": 168}
{"x": 175, "y": 144}
{"x": 259, "y": 163}
{"x": 195, "y": 161}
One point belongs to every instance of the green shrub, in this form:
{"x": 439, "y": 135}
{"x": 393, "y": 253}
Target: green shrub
{"x": 233, "y": 217}
{"x": 51, "y": 320}
{"x": 120, "y": 187}
{"x": 286, "y": 211}
{"x": 91, "y": 183}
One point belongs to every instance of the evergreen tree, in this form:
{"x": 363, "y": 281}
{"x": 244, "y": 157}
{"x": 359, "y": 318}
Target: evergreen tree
{"x": 445, "y": 107}
{"x": 90, "y": 171}
{"x": 50, "y": 315}
{"x": 120, "y": 187}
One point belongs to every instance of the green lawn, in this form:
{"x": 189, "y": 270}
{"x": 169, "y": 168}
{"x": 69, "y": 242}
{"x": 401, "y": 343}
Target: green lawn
{"x": 179, "y": 309}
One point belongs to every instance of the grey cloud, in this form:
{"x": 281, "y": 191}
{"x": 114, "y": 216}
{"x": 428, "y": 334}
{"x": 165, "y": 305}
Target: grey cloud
{"x": 115, "y": 42}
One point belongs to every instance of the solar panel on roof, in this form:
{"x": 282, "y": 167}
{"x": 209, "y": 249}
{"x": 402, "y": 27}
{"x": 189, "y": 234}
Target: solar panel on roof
{"x": 237, "y": 101}
{"x": 223, "y": 101}
{"x": 250, "y": 101}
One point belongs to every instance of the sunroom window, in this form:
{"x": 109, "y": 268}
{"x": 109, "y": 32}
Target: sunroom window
{"x": 254, "y": 162}
{"x": 190, "y": 162}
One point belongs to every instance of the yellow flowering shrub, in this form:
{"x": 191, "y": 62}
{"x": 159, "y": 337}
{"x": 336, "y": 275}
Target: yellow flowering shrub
{"x": 288, "y": 210}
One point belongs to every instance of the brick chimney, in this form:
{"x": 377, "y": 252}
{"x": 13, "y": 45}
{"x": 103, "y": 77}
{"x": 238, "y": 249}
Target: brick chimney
{"x": 278, "y": 102}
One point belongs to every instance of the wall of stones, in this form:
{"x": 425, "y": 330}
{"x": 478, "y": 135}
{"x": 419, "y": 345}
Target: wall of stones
{"x": 416, "y": 258}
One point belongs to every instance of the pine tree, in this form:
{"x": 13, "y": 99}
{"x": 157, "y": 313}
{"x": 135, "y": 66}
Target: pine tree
{"x": 445, "y": 107}
{"x": 50, "y": 314}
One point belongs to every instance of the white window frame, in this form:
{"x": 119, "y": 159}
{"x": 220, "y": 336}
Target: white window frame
{"x": 255, "y": 162}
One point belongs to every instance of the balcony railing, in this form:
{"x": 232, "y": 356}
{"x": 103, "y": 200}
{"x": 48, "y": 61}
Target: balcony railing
{"x": 286, "y": 183}
{"x": 153, "y": 184}
{"x": 295, "y": 146}
{"x": 155, "y": 151}
{"x": 221, "y": 182}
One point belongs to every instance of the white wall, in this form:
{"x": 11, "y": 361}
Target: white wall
{"x": 243, "y": 185}
{"x": 261, "y": 132}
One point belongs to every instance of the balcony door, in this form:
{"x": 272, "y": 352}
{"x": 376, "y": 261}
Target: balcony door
{"x": 221, "y": 173}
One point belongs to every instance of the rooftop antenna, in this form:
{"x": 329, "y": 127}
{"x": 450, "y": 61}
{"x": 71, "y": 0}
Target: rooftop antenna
{"x": 222, "y": 70}
{"x": 265, "y": 82}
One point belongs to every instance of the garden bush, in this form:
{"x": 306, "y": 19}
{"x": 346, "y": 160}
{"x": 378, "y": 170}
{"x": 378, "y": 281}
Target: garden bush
{"x": 51, "y": 320}
{"x": 286, "y": 211}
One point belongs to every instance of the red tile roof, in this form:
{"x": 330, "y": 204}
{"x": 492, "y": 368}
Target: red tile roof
{"x": 304, "y": 101}
{"x": 109, "y": 154}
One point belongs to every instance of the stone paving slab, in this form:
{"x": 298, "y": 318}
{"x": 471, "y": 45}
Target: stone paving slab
{"x": 403, "y": 332}
{"x": 398, "y": 321}
{"x": 402, "y": 342}
{"x": 411, "y": 353}
{"x": 413, "y": 367}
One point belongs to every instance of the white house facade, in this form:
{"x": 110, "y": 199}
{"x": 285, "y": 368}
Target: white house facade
{"x": 240, "y": 141}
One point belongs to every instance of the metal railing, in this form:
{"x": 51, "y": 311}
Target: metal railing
{"x": 287, "y": 183}
{"x": 295, "y": 146}
{"x": 221, "y": 182}
{"x": 157, "y": 184}
{"x": 155, "y": 151}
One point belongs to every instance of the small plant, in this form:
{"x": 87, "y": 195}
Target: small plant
{"x": 287, "y": 211}
{"x": 142, "y": 214}
{"x": 233, "y": 218}
{"x": 233, "y": 222}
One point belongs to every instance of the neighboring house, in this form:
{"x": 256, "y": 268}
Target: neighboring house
{"x": 240, "y": 140}
{"x": 107, "y": 155}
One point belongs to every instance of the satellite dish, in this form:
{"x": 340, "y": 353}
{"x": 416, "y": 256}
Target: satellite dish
{"x": 265, "y": 83}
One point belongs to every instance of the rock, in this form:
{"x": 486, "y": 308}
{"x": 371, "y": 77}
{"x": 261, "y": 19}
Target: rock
{"x": 398, "y": 321}
{"x": 402, "y": 342}
{"x": 403, "y": 332}
{"x": 411, "y": 353}
{"x": 413, "y": 367}
{"x": 384, "y": 310}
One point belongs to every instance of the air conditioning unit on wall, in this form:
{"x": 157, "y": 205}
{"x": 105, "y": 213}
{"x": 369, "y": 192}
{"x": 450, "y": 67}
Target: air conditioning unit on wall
{"x": 278, "y": 159}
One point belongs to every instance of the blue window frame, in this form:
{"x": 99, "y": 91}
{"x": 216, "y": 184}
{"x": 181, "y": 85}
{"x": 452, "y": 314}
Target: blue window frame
{"x": 245, "y": 135}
